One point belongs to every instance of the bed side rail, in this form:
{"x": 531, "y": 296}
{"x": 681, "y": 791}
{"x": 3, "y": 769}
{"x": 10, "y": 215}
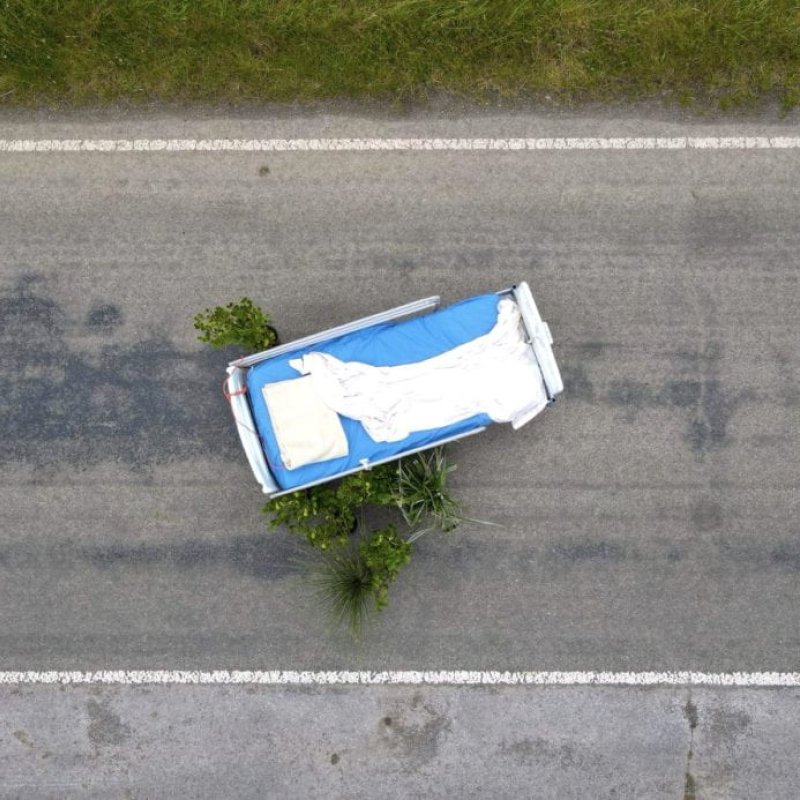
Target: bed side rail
{"x": 426, "y": 304}
{"x": 541, "y": 339}
{"x": 370, "y": 464}
{"x": 235, "y": 393}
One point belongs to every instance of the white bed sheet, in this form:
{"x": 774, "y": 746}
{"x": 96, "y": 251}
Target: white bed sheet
{"x": 496, "y": 374}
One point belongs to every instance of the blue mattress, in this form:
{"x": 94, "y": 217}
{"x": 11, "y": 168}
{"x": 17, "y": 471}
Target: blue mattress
{"x": 386, "y": 345}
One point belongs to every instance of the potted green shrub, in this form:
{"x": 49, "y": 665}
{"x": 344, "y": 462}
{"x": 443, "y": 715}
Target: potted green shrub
{"x": 242, "y": 323}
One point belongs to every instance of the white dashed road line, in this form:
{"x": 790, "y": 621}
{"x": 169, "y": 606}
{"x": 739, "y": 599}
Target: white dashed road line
{"x": 399, "y": 678}
{"x": 369, "y": 144}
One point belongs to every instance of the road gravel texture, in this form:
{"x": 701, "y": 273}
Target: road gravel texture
{"x": 648, "y": 519}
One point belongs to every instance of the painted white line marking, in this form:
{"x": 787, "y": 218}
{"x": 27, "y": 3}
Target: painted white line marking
{"x": 414, "y": 678}
{"x": 366, "y": 145}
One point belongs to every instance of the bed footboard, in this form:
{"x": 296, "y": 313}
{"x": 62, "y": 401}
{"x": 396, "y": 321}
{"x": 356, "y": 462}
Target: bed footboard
{"x": 541, "y": 340}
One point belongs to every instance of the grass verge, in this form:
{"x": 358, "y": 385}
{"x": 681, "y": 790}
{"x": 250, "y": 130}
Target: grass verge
{"x": 81, "y": 52}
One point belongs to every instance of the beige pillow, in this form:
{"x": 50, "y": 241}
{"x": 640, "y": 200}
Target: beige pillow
{"x": 307, "y": 430}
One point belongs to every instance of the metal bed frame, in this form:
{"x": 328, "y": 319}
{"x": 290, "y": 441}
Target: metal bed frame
{"x": 539, "y": 337}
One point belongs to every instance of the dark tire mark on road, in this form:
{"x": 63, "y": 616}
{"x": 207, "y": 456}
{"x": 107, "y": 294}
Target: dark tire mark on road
{"x": 262, "y": 556}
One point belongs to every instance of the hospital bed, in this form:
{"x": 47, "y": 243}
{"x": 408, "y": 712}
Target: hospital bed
{"x": 287, "y": 421}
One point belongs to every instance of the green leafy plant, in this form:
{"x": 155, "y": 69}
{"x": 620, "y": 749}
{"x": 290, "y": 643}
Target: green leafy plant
{"x": 385, "y": 553}
{"x": 373, "y": 486}
{"x": 328, "y": 514}
{"x": 354, "y": 581}
{"x": 317, "y": 513}
{"x": 242, "y": 323}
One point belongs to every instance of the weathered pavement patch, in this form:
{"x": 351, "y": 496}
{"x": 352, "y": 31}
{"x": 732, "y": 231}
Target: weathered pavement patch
{"x": 210, "y": 742}
{"x": 141, "y": 404}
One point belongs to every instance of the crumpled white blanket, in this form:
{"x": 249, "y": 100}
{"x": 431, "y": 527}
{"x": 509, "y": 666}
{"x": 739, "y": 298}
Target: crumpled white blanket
{"x": 495, "y": 374}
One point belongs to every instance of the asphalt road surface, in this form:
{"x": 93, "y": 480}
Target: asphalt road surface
{"x": 648, "y": 521}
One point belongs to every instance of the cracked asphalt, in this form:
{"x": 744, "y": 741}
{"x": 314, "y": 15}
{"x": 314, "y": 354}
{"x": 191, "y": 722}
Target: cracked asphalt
{"x": 649, "y": 519}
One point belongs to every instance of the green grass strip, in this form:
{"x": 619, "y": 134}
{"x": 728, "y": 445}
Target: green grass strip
{"x": 79, "y": 52}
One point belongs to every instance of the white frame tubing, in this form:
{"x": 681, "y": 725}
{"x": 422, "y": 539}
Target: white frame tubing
{"x": 371, "y": 464}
